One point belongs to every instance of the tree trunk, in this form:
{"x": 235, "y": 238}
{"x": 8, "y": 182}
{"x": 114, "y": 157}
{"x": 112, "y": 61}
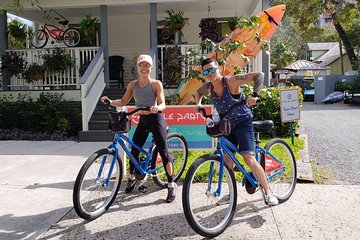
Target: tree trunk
{"x": 348, "y": 47}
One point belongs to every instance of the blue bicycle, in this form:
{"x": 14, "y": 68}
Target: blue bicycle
{"x": 209, "y": 194}
{"x": 99, "y": 179}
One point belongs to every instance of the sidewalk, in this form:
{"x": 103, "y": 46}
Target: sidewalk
{"x": 36, "y": 203}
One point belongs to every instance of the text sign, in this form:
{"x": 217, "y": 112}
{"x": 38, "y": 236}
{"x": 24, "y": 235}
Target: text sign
{"x": 289, "y": 105}
{"x": 185, "y": 121}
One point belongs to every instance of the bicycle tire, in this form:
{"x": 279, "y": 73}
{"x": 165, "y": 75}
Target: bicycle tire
{"x": 174, "y": 141}
{"x": 39, "y": 38}
{"x": 282, "y": 184}
{"x": 207, "y": 214}
{"x": 90, "y": 198}
{"x": 71, "y": 37}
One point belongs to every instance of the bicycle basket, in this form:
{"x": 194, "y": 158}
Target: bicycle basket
{"x": 118, "y": 122}
{"x": 222, "y": 128}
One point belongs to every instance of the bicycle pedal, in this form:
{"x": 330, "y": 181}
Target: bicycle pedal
{"x": 143, "y": 189}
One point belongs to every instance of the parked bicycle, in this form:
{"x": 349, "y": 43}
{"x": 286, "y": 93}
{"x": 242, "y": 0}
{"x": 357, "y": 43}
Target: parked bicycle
{"x": 99, "y": 179}
{"x": 70, "y": 36}
{"x": 209, "y": 194}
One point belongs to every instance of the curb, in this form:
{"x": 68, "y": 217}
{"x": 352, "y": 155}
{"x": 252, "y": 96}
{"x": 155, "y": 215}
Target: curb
{"x": 304, "y": 170}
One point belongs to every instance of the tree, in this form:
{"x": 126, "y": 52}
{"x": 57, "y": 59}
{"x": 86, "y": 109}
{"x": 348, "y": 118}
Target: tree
{"x": 281, "y": 55}
{"x": 17, "y": 5}
{"x": 345, "y": 14}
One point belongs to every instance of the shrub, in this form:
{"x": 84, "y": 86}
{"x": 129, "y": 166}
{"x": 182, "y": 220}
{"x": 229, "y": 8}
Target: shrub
{"x": 49, "y": 113}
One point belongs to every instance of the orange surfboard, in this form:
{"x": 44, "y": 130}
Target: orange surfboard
{"x": 270, "y": 21}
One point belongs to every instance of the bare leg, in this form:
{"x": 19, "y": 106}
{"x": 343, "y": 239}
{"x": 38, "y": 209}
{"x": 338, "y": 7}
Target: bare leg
{"x": 229, "y": 162}
{"x": 169, "y": 168}
{"x": 257, "y": 170}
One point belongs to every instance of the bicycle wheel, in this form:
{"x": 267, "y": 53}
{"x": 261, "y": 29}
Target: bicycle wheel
{"x": 71, "y": 37}
{"x": 178, "y": 152}
{"x": 39, "y": 39}
{"x": 208, "y": 211}
{"x": 91, "y": 198}
{"x": 281, "y": 183}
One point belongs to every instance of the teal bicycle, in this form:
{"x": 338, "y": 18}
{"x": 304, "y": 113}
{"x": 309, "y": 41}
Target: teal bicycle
{"x": 209, "y": 194}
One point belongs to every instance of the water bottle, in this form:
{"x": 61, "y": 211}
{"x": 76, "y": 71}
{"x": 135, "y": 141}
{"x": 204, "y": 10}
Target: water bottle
{"x": 215, "y": 116}
{"x": 210, "y": 123}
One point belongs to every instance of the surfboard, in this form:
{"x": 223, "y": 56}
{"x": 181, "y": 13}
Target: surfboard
{"x": 270, "y": 21}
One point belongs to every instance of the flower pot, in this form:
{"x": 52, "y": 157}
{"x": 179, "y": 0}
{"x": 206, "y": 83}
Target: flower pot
{"x": 178, "y": 26}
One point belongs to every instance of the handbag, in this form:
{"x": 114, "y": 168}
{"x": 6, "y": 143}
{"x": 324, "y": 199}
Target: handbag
{"x": 222, "y": 128}
{"x": 118, "y": 122}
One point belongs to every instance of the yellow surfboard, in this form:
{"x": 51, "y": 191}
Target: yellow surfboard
{"x": 270, "y": 21}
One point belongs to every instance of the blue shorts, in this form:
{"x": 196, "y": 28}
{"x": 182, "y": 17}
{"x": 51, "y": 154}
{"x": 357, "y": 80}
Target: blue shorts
{"x": 242, "y": 136}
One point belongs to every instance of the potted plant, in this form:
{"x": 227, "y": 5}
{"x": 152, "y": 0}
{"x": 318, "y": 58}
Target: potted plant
{"x": 175, "y": 21}
{"x": 34, "y": 72}
{"x": 16, "y": 34}
{"x": 12, "y": 64}
{"x": 56, "y": 61}
{"x": 89, "y": 26}
{"x": 232, "y": 22}
{"x": 209, "y": 29}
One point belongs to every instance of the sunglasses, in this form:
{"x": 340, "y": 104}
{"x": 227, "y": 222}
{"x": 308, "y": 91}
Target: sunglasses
{"x": 212, "y": 70}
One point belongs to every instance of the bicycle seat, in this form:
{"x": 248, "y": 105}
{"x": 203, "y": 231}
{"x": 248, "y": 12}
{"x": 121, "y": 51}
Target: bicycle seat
{"x": 64, "y": 23}
{"x": 264, "y": 125}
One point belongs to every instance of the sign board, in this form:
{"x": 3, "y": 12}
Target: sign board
{"x": 184, "y": 120}
{"x": 289, "y": 105}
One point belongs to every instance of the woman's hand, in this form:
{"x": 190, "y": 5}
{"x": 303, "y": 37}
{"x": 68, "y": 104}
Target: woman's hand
{"x": 105, "y": 100}
{"x": 198, "y": 107}
{"x": 154, "y": 109}
{"x": 250, "y": 101}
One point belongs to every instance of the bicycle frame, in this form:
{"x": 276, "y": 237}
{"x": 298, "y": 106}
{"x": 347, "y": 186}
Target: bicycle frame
{"x": 224, "y": 146}
{"x": 56, "y": 33}
{"x": 122, "y": 140}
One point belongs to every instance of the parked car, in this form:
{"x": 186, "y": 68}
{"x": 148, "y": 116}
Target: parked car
{"x": 352, "y": 96}
{"x": 308, "y": 91}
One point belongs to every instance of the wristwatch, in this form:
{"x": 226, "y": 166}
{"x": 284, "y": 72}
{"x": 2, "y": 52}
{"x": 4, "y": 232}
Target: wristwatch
{"x": 255, "y": 94}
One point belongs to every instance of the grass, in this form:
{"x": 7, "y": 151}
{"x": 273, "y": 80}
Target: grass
{"x": 322, "y": 175}
{"x": 193, "y": 155}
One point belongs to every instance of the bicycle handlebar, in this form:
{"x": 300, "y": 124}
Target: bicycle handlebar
{"x": 147, "y": 108}
{"x": 203, "y": 111}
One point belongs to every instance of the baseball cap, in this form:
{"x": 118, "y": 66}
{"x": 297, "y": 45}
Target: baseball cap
{"x": 144, "y": 58}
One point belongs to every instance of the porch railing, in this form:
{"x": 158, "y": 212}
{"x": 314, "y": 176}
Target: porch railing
{"x": 69, "y": 79}
{"x": 183, "y": 69}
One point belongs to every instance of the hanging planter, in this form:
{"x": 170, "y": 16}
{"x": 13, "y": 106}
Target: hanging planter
{"x": 175, "y": 21}
{"x": 209, "y": 29}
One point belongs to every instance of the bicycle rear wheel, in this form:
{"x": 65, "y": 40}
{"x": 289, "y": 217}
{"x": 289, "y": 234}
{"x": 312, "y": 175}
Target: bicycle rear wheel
{"x": 39, "y": 39}
{"x": 91, "y": 198}
{"x": 208, "y": 210}
{"x": 178, "y": 152}
{"x": 281, "y": 175}
{"x": 71, "y": 37}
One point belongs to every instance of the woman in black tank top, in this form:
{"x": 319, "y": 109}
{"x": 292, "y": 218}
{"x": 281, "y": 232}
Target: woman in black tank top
{"x": 150, "y": 121}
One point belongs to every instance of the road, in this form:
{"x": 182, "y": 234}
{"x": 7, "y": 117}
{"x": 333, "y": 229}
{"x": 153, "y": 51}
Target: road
{"x": 333, "y": 138}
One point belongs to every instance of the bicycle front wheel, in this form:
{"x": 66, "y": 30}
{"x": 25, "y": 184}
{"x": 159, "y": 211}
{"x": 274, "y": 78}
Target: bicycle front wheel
{"x": 39, "y": 39}
{"x": 71, "y": 37}
{"x": 209, "y": 207}
{"x": 178, "y": 153}
{"x": 91, "y": 195}
{"x": 281, "y": 173}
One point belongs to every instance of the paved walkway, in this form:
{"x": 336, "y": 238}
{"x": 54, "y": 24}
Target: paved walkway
{"x": 36, "y": 180}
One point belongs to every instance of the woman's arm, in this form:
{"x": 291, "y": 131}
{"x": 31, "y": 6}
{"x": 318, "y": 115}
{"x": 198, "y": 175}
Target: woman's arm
{"x": 200, "y": 93}
{"x": 159, "y": 91}
{"x": 124, "y": 100}
{"x": 240, "y": 79}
